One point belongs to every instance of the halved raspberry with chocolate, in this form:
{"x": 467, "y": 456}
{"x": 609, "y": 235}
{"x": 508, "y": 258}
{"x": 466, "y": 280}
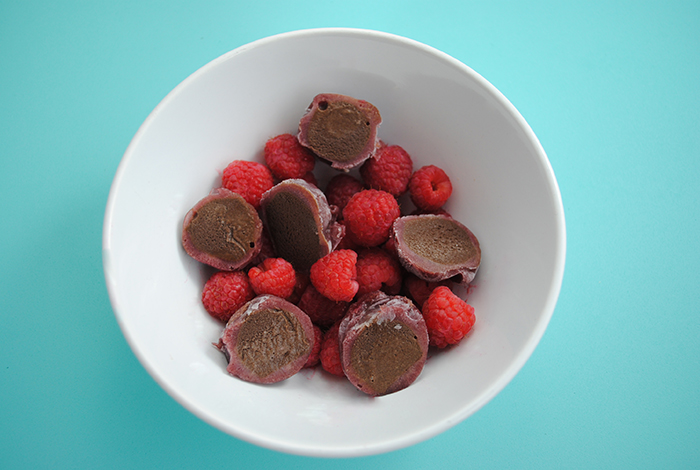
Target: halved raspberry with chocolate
{"x": 300, "y": 223}
{"x": 222, "y": 230}
{"x": 436, "y": 247}
{"x": 340, "y": 129}
{"x": 383, "y": 343}
{"x": 267, "y": 340}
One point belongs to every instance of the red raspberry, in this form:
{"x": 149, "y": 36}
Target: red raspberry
{"x": 267, "y": 250}
{"x": 274, "y": 276}
{"x": 389, "y": 170}
{"x": 286, "y": 158}
{"x": 419, "y": 290}
{"x": 310, "y": 178}
{"x": 377, "y": 269}
{"x": 322, "y": 310}
{"x": 447, "y": 317}
{"x": 346, "y": 243}
{"x": 315, "y": 356}
{"x": 249, "y": 179}
{"x": 225, "y": 292}
{"x": 341, "y": 188}
{"x": 369, "y": 215}
{"x": 330, "y": 352}
{"x": 430, "y": 187}
{"x": 334, "y": 275}
{"x": 299, "y": 288}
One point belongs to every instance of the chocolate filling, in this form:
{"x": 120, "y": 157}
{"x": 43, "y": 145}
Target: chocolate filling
{"x": 439, "y": 240}
{"x": 338, "y": 131}
{"x": 293, "y": 229}
{"x": 269, "y": 339}
{"x": 224, "y": 228}
{"x": 383, "y": 352}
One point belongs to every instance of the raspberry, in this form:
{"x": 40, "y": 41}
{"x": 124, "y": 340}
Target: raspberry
{"x": 377, "y": 269}
{"x": 429, "y": 187}
{"x": 249, "y": 179}
{"x": 341, "y": 188}
{"x": 447, "y": 317}
{"x": 274, "y": 276}
{"x": 266, "y": 249}
{"x": 310, "y": 178}
{"x": 322, "y": 310}
{"x": 369, "y": 215}
{"x": 299, "y": 288}
{"x": 389, "y": 170}
{"x": 419, "y": 290}
{"x": 346, "y": 243}
{"x": 225, "y": 292}
{"x": 334, "y": 275}
{"x": 315, "y": 356}
{"x": 330, "y": 352}
{"x": 286, "y": 158}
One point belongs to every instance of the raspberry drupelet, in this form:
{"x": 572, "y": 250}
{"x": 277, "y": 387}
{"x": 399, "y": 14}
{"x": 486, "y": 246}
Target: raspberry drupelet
{"x": 274, "y": 276}
{"x": 249, "y": 179}
{"x": 389, "y": 170}
{"x": 429, "y": 188}
{"x": 334, "y": 275}
{"x": 377, "y": 270}
{"x": 341, "y": 188}
{"x": 369, "y": 215}
{"x": 286, "y": 158}
{"x": 225, "y": 292}
{"x": 447, "y": 317}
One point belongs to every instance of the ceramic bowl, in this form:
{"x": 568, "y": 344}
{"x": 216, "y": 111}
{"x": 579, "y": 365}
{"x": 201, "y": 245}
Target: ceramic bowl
{"x": 439, "y": 110}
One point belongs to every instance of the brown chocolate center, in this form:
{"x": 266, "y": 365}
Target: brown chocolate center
{"x": 269, "y": 339}
{"x": 338, "y": 131}
{"x": 439, "y": 240}
{"x": 224, "y": 228}
{"x": 293, "y": 229}
{"x": 383, "y": 352}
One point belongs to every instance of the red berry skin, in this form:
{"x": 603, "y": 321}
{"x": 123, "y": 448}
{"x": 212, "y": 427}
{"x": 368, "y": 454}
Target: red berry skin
{"x": 322, "y": 311}
{"x": 225, "y": 292}
{"x": 249, "y": 179}
{"x": 369, "y": 215}
{"x": 274, "y": 276}
{"x": 419, "y": 290}
{"x": 286, "y": 158}
{"x": 429, "y": 188}
{"x": 315, "y": 356}
{"x": 389, "y": 170}
{"x": 334, "y": 275}
{"x": 330, "y": 352}
{"x": 447, "y": 317}
{"x": 341, "y": 188}
{"x": 377, "y": 270}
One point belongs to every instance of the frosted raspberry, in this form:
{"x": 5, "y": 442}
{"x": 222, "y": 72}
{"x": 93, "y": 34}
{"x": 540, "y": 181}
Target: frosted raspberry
{"x": 315, "y": 356}
{"x": 341, "y": 188}
{"x": 389, "y": 170}
{"x": 274, "y": 276}
{"x": 377, "y": 270}
{"x": 286, "y": 158}
{"x": 323, "y": 311}
{"x": 334, "y": 275}
{"x": 330, "y": 352}
{"x": 369, "y": 215}
{"x": 419, "y": 290}
{"x": 429, "y": 187}
{"x": 225, "y": 292}
{"x": 447, "y": 317}
{"x": 249, "y": 179}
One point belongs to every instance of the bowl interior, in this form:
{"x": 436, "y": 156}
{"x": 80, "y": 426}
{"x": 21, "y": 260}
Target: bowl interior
{"x": 442, "y": 113}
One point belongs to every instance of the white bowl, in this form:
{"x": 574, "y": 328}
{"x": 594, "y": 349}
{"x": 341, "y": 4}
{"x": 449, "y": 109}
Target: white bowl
{"x": 442, "y": 113}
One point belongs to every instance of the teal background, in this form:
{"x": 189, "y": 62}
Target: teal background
{"x": 611, "y": 88}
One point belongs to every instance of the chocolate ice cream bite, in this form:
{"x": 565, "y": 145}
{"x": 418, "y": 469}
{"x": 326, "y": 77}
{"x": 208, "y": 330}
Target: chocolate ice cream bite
{"x": 300, "y": 223}
{"x": 222, "y": 230}
{"x": 267, "y": 340}
{"x": 436, "y": 247}
{"x": 383, "y": 343}
{"x": 340, "y": 129}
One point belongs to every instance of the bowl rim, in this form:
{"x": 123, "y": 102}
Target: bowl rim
{"x": 390, "y": 444}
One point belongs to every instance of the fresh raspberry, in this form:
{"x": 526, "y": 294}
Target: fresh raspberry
{"x": 310, "y": 178}
{"x": 315, "y": 356}
{"x": 429, "y": 187}
{"x": 334, "y": 275}
{"x": 369, "y": 215}
{"x": 389, "y": 170}
{"x": 286, "y": 158}
{"x": 225, "y": 292}
{"x": 330, "y": 352}
{"x": 274, "y": 276}
{"x": 346, "y": 243}
{"x": 341, "y": 188}
{"x": 322, "y": 310}
{"x": 447, "y": 317}
{"x": 419, "y": 290}
{"x": 377, "y": 270}
{"x": 390, "y": 248}
{"x": 249, "y": 179}
{"x": 299, "y": 288}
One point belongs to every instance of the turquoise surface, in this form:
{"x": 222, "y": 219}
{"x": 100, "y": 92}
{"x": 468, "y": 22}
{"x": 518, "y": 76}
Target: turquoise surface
{"x": 611, "y": 90}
